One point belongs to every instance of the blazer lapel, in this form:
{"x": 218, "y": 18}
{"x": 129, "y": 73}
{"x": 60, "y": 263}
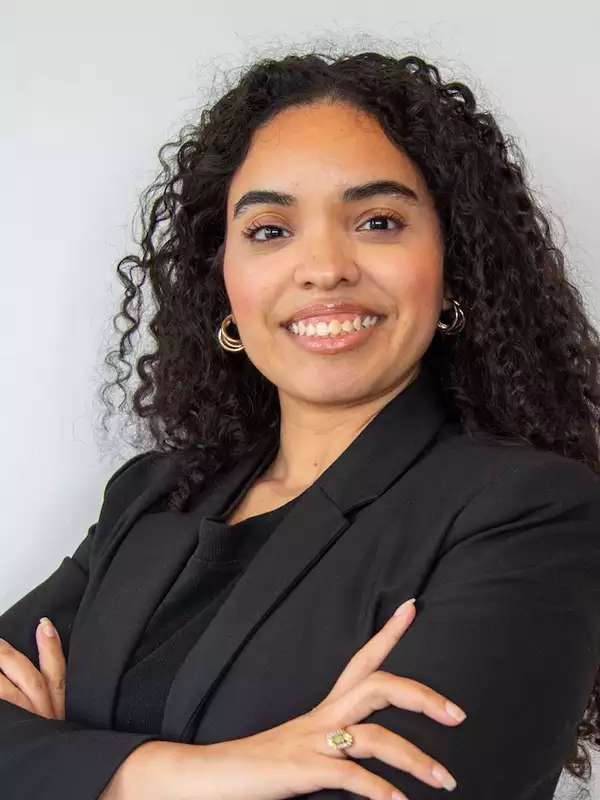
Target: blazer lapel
{"x": 379, "y": 455}
{"x": 124, "y": 591}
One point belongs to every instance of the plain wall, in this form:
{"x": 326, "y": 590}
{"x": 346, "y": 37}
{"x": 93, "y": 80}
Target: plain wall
{"x": 99, "y": 87}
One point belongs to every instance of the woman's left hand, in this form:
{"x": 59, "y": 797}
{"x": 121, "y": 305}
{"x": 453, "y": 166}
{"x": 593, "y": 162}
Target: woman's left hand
{"x": 40, "y": 691}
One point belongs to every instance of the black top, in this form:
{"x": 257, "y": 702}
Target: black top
{"x": 221, "y": 556}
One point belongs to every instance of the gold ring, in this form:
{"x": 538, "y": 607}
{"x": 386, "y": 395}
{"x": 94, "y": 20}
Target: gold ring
{"x": 340, "y": 739}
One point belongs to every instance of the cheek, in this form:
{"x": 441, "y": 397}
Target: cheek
{"x": 413, "y": 284}
{"x": 241, "y": 288}
{"x": 243, "y": 304}
{"x": 250, "y": 295}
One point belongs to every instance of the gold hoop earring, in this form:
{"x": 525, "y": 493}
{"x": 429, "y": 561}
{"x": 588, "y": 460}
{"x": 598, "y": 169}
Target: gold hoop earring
{"x": 457, "y": 324}
{"x": 228, "y": 342}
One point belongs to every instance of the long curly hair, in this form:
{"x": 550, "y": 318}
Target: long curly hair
{"x": 525, "y": 367}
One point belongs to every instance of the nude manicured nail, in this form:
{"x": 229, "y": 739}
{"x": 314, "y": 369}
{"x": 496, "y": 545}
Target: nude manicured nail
{"x": 455, "y": 711}
{"x": 404, "y": 607}
{"x": 444, "y": 777}
{"x": 47, "y": 626}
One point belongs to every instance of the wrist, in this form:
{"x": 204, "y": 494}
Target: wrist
{"x": 153, "y": 771}
{"x": 190, "y": 763}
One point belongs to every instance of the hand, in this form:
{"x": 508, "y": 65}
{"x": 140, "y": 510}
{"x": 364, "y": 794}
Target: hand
{"x": 40, "y": 691}
{"x": 294, "y": 758}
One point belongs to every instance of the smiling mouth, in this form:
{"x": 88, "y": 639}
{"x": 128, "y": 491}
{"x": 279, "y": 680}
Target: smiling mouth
{"x": 333, "y": 328}
{"x": 330, "y": 340}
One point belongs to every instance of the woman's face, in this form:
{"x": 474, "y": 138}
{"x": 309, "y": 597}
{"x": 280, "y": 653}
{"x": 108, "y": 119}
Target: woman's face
{"x": 383, "y": 252}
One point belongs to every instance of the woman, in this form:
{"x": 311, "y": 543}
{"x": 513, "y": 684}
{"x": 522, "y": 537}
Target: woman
{"x": 359, "y": 305}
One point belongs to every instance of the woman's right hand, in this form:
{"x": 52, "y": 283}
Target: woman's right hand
{"x": 294, "y": 758}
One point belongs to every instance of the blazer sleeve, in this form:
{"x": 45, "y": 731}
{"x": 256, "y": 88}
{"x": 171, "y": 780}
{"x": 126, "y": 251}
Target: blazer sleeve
{"x": 507, "y": 627}
{"x": 57, "y": 759}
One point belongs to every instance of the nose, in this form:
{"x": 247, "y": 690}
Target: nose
{"x": 326, "y": 260}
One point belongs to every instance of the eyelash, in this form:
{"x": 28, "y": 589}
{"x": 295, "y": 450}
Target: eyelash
{"x": 250, "y": 231}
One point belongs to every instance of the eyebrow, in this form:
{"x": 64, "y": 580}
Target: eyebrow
{"x": 350, "y": 195}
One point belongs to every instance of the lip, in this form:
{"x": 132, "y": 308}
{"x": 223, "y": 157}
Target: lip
{"x": 327, "y": 345}
{"x": 325, "y": 309}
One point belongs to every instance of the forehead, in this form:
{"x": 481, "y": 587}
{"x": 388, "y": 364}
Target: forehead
{"x": 320, "y": 147}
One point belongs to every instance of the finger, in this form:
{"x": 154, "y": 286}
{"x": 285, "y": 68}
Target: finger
{"x": 375, "y": 741}
{"x": 22, "y": 673}
{"x": 52, "y": 664}
{"x": 351, "y": 777}
{"x": 382, "y": 689}
{"x": 372, "y": 654}
{"x": 12, "y": 694}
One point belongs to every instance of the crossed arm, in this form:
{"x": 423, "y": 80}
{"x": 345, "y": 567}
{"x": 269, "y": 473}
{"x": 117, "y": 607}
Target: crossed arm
{"x": 507, "y": 627}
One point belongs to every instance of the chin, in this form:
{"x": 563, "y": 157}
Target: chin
{"x": 342, "y": 393}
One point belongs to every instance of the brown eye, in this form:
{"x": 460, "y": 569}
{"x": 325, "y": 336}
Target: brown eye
{"x": 382, "y": 219}
{"x": 251, "y": 230}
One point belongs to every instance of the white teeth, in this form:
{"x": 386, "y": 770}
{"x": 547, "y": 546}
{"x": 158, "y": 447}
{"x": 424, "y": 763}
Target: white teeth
{"x": 333, "y": 328}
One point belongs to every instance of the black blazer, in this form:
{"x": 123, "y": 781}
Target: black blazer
{"x": 500, "y": 546}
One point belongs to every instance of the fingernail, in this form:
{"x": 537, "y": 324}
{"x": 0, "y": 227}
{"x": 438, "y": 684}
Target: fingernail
{"x": 444, "y": 777}
{"x": 455, "y": 711}
{"x": 47, "y": 626}
{"x": 401, "y": 609}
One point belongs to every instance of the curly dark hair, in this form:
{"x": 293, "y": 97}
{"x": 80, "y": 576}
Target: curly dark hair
{"x": 525, "y": 367}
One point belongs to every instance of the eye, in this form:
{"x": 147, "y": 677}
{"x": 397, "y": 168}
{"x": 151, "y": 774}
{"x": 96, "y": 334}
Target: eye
{"x": 399, "y": 222}
{"x": 251, "y": 231}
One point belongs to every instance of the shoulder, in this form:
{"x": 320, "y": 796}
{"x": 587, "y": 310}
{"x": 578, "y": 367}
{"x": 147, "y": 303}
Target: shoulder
{"x": 525, "y": 468}
{"x": 132, "y": 474}
{"x": 525, "y": 530}
{"x": 133, "y": 470}
{"x": 484, "y": 462}
{"x": 151, "y": 468}
{"x": 538, "y": 494}
{"x": 487, "y": 481}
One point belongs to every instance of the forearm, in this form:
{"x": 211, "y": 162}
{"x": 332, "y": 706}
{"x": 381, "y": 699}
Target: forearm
{"x": 157, "y": 770}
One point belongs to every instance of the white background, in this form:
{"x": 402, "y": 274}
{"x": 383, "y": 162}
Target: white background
{"x": 100, "y": 86}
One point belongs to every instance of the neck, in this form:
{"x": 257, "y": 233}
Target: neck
{"x": 312, "y": 437}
